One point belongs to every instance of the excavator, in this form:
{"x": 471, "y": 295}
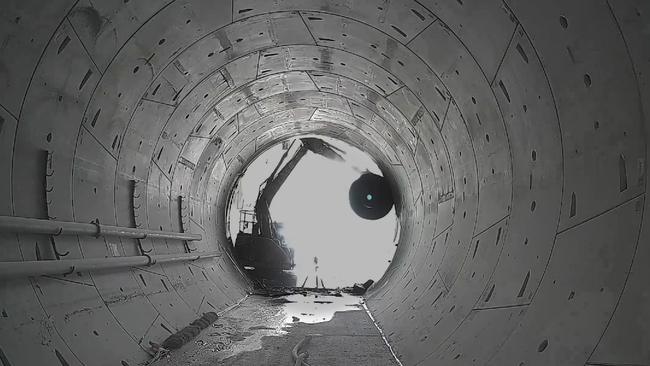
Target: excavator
{"x": 264, "y": 248}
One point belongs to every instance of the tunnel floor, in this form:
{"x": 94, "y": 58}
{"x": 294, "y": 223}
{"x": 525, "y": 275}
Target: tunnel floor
{"x": 264, "y": 330}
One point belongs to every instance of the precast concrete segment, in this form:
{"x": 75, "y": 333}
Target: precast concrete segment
{"x": 516, "y": 133}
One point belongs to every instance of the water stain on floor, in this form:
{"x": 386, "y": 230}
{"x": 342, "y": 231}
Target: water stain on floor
{"x": 263, "y": 331}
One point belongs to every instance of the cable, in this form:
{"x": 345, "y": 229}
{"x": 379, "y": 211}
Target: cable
{"x": 299, "y": 358}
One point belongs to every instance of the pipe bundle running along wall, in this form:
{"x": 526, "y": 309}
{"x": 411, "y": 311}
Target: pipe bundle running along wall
{"x": 51, "y": 227}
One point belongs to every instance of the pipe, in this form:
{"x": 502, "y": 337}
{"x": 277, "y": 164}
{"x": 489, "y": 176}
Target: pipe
{"x": 67, "y": 266}
{"x": 50, "y": 227}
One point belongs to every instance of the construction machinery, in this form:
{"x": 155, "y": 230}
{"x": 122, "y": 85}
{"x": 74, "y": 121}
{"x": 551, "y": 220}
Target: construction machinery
{"x": 264, "y": 248}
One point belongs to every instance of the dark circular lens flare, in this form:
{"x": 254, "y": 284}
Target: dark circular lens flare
{"x": 371, "y": 197}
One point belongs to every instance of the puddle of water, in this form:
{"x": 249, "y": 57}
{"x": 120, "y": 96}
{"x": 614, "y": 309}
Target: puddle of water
{"x": 315, "y": 308}
{"x": 275, "y": 315}
{"x": 242, "y": 329}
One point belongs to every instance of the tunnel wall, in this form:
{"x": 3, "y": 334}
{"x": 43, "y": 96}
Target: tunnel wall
{"x": 515, "y": 131}
{"x": 78, "y": 144}
{"x": 555, "y": 280}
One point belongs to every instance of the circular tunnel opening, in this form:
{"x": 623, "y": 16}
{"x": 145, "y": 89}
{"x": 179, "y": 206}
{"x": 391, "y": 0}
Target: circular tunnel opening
{"x": 515, "y": 134}
{"x": 291, "y": 217}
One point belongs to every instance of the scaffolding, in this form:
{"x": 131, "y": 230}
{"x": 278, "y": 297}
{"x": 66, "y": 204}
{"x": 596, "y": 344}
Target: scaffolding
{"x": 247, "y": 219}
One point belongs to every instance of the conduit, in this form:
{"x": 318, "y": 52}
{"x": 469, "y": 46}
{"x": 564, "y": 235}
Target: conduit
{"x": 67, "y": 266}
{"x": 51, "y": 227}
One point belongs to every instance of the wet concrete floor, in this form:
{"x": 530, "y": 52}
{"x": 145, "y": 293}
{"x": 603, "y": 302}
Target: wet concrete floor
{"x": 264, "y": 330}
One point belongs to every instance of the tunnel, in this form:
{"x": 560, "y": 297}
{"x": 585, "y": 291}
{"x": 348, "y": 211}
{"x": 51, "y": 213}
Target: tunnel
{"x": 514, "y": 134}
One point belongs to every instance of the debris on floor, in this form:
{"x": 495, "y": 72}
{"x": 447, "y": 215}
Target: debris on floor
{"x": 300, "y": 357}
{"x": 360, "y": 289}
{"x": 176, "y": 340}
{"x": 263, "y": 330}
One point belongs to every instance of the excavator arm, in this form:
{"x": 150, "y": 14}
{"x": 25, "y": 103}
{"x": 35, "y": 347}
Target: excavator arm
{"x": 264, "y": 225}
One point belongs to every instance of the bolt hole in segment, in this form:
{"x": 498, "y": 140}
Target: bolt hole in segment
{"x": 330, "y": 215}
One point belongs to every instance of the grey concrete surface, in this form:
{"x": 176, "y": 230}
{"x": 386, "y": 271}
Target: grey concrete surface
{"x": 264, "y": 331}
{"x": 515, "y": 133}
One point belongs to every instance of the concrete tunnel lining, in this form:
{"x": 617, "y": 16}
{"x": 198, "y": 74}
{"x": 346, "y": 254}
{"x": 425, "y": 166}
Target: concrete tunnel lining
{"x": 515, "y": 131}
